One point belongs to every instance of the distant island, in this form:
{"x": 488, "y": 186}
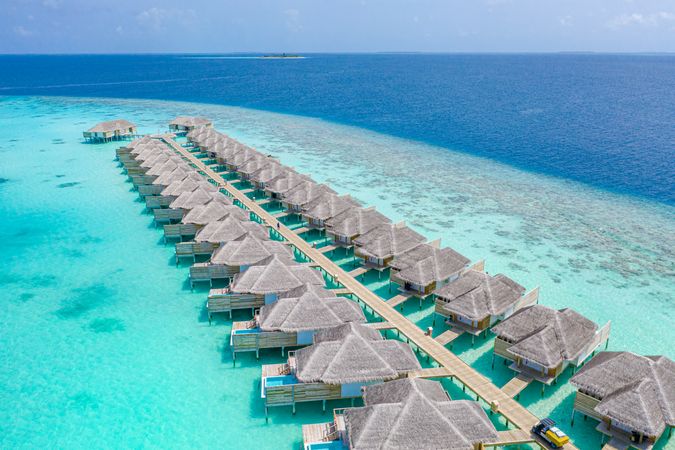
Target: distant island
{"x": 283, "y": 55}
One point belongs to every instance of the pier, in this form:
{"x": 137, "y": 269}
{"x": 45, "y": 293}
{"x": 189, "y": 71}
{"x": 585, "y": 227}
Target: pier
{"x": 499, "y": 401}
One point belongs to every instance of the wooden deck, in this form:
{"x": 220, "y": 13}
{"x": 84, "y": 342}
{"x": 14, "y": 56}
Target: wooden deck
{"x": 316, "y": 432}
{"x": 328, "y": 248}
{"x": 616, "y": 444}
{"x": 301, "y": 230}
{"x": 513, "y": 411}
{"x": 400, "y": 298}
{"x": 517, "y": 384}
{"x": 511, "y": 437}
{"x": 340, "y": 291}
{"x": 448, "y": 336}
{"x": 382, "y": 325}
{"x": 357, "y": 272}
{"x": 433, "y": 372}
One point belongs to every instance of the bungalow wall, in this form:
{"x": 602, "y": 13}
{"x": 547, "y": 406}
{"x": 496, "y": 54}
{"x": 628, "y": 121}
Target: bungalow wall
{"x": 181, "y": 230}
{"x": 150, "y": 189}
{"x": 158, "y": 201}
{"x": 191, "y": 249}
{"x": 164, "y": 215}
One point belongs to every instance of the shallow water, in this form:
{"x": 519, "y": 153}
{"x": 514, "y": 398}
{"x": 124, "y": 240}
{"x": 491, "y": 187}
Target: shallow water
{"x": 104, "y": 345}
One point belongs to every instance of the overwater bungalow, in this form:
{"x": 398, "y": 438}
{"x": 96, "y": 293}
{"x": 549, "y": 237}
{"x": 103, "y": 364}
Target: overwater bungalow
{"x": 632, "y": 396}
{"x": 269, "y": 174}
{"x": 242, "y": 157}
{"x": 304, "y": 193}
{"x": 278, "y": 188}
{"x": 379, "y": 246}
{"x": 226, "y": 150}
{"x": 187, "y": 201}
{"x": 476, "y": 300}
{"x": 542, "y": 341}
{"x": 336, "y": 366}
{"x": 143, "y": 151}
{"x": 112, "y": 130}
{"x": 408, "y": 413}
{"x": 161, "y": 180}
{"x": 184, "y": 124}
{"x": 215, "y": 234}
{"x": 261, "y": 285}
{"x": 343, "y": 228}
{"x": 425, "y": 268}
{"x": 125, "y": 149}
{"x": 191, "y": 183}
{"x": 199, "y": 133}
{"x": 199, "y": 217}
{"x": 293, "y": 321}
{"x": 234, "y": 257}
{"x": 325, "y": 207}
{"x": 255, "y": 165}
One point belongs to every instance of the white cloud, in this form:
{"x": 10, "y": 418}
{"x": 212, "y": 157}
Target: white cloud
{"x": 639, "y": 19}
{"x": 19, "y": 30}
{"x": 159, "y": 19}
{"x": 293, "y": 20}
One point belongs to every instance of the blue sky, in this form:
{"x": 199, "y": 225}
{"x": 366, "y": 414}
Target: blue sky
{"x": 128, "y": 26}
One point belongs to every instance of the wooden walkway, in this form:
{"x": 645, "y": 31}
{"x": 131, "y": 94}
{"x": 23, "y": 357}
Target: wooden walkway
{"x": 448, "y": 336}
{"x": 301, "y": 230}
{"x": 328, "y": 248}
{"x": 513, "y": 411}
{"x": 433, "y": 372}
{"x": 517, "y": 384}
{"x": 357, "y": 272}
{"x": 381, "y": 325}
{"x": 400, "y": 298}
{"x": 511, "y": 437}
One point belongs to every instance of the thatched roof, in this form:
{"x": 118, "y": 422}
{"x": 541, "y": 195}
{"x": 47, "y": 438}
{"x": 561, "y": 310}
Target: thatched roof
{"x": 440, "y": 265}
{"x": 164, "y": 166}
{"x": 308, "y": 312}
{"x": 388, "y": 240}
{"x": 231, "y": 229}
{"x": 635, "y": 390}
{"x": 190, "y": 122}
{"x": 250, "y": 251}
{"x": 271, "y": 172}
{"x": 244, "y": 156}
{"x": 355, "y": 221}
{"x": 189, "y": 184}
{"x": 318, "y": 291}
{"x": 304, "y": 193}
{"x": 276, "y": 276}
{"x": 229, "y": 150}
{"x": 412, "y": 413}
{"x": 167, "y": 178}
{"x": 140, "y": 141}
{"x": 256, "y": 164}
{"x": 341, "y": 332}
{"x": 545, "y": 335}
{"x": 200, "y": 196}
{"x": 147, "y": 150}
{"x": 353, "y": 359}
{"x": 476, "y": 294}
{"x": 199, "y": 132}
{"x": 330, "y": 205}
{"x": 285, "y": 184}
{"x": 213, "y": 212}
{"x": 111, "y": 125}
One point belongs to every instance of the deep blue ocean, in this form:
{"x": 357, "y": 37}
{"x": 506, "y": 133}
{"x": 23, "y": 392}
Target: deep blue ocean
{"x": 605, "y": 120}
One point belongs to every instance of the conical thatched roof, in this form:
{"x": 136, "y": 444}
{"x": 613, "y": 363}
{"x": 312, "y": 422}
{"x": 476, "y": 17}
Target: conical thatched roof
{"x": 140, "y": 141}
{"x": 213, "y": 212}
{"x": 330, "y": 205}
{"x": 149, "y": 151}
{"x": 287, "y": 183}
{"x": 271, "y": 172}
{"x": 231, "y": 229}
{"x": 356, "y": 221}
{"x": 545, "y": 335}
{"x": 413, "y": 413}
{"x": 250, "y": 251}
{"x": 308, "y": 312}
{"x": 353, "y": 359}
{"x": 154, "y": 159}
{"x": 197, "y": 133}
{"x": 111, "y": 125}
{"x": 255, "y": 165}
{"x": 188, "y": 200}
{"x": 229, "y": 150}
{"x": 167, "y": 178}
{"x": 318, "y": 291}
{"x": 388, "y": 240}
{"x": 146, "y": 144}
{"x": 165, "y": 166}
{"x": 190, "y": 122}
{"x": 635, "y": 390}
{"x": 440, "y": 265}
{"x": 304, "y": 193}
{"x": 275, "y": 277}
{"x": 189, "y": 184}
{"x": 476, "y": 294}
{"x": 243, "y": 156}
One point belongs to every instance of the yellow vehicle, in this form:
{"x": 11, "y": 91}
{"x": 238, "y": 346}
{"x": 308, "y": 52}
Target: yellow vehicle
{"x": 553, "y": 435}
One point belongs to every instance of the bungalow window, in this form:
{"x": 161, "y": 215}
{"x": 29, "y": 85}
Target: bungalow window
{"x": 465, "y": 320}
{"x": 533, "y": 365}
{"x": 622, "y": 426}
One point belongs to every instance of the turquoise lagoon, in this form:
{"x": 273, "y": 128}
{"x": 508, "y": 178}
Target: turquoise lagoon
{"x": 105, "y": 346}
